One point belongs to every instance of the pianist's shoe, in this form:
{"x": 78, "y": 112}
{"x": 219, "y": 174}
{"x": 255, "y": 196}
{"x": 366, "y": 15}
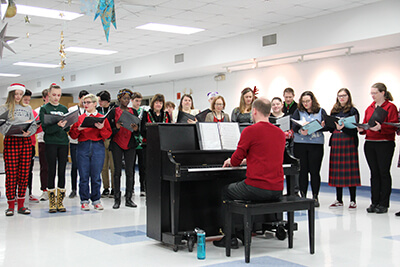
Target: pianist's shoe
{"x": 221, "y": 243}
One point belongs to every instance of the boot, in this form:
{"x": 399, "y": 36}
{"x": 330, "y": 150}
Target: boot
{"x": 117, "y": 200}
{"x": 60, "y": 199}
{"x": 52, "y": 200}
{"x": 316, "y": 204}
{"x": 128, "y": 200}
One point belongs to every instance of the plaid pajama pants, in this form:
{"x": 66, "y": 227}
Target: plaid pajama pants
{"x": 17, "y": 158}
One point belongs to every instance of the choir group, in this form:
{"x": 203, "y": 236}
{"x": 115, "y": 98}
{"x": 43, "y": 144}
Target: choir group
{"x": 111, "y": 145}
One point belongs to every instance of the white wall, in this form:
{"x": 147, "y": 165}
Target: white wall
{"x": 324, "y": 77}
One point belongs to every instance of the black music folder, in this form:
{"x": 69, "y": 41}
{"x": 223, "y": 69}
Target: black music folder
{"x": 183, "y": 117}
{"x": 219, "y": 135}
{"x": 70, "y": 117}
{"x": 4, "y": 117}
{"x": 20, "y": 128}
{"x": 379, "y": 115}
{"x": 395, "y": 124}
{"x": 91, "y": 121}
{"x": 201, "y": 117}
{"x": 127, "y": 119}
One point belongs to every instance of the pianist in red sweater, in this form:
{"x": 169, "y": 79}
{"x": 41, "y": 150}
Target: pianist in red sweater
{"x": 90, "y": 153}
{"x": 261, "y": 147}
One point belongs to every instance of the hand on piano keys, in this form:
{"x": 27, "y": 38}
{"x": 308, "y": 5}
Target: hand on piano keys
{"x": 227, "y": 163}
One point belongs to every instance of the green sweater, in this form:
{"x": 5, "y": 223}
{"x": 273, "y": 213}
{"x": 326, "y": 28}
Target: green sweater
{"x": 54, "y": 134}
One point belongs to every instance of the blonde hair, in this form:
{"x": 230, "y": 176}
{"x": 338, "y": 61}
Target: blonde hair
{"x": 10, "y": 104}
{"x": 91, "y": 97}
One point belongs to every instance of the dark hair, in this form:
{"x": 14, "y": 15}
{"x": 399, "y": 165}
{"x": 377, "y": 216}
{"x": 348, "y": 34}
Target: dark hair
{"x": 337, "y": 107}
{"x": 314, "y": 103}
{"x": 122, "y": 92}
{"x": 28, "y": 92}
{"x": 186, "y": 95}
{"x": 157, "y": 97}
{"x": 242, "y": 105}
{"x": 276, "y": 98}
{"x": 263, "y": 106}
{"x": 136, "y": 95}
{"x": 169, "y": 104}
{"x": 104, "y": 96}
{"x": 382, "y": 88}
{"x": 288, "y": 90}
{"x": 53, "y": 86}
{"x": 215, "y": 100}
{"x": 45, "y": 93}
{"x": 82, "y": 93}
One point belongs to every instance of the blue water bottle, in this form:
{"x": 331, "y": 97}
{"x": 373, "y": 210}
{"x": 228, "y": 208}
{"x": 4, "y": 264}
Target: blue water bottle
{"x": 201, "y": 244}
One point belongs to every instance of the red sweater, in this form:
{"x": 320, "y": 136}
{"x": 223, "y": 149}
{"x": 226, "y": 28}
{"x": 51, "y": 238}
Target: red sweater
{"x": 387, "y": 132}
{"x": 263, "y": 145}
{"x": 93, "y": 134}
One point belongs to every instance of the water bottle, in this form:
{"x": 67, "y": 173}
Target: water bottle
{"x": 201, "y": 244}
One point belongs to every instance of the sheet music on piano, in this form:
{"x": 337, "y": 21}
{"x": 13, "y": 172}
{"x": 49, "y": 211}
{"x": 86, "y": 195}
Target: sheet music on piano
{"x": 217, "y": 136}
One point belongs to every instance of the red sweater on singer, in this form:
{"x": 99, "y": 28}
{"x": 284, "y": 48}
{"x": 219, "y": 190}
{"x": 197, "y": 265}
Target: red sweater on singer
{"x": 93, "y": 134}
{"x": 262, "y": 145}
{"x": 387, "y": 132}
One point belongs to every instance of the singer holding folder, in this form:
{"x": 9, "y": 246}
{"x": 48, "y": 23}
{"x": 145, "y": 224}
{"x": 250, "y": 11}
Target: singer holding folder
{"x": 90, "y": 153}
{"x": 379, "y": 148}
{"x": 17, "y": 148}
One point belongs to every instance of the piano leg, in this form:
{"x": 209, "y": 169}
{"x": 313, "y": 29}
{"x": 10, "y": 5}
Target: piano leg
{"x": 174, "y": 198}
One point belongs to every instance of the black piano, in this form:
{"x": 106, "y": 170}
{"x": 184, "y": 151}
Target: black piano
{"x": 184, "y": 183}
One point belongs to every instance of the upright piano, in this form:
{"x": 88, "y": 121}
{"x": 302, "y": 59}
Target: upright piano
{"x": 184, "y": 183}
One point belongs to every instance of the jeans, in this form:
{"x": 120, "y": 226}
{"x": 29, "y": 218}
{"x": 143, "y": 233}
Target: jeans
{"x": 56, "y": 153}
{"x": 129, "y": 156}
{"x": 90, "y": 156}
{"x": 74, "y": 168}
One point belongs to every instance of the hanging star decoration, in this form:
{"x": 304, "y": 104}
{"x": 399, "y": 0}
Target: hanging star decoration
{"x": 62, "y": 78}
{"x": 106, "y": 10}
{"x": 62, "y": 52}
{"x": 3, "y": 8}
{"x": 4, "y": 39}
{"x": 88, "y": 6}
{"x": 27, "y": 19}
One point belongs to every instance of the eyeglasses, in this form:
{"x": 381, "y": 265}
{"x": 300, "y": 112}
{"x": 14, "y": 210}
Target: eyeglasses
{"x": 306, "y": 101}
{"x": 87, "y": 102}
{"x": 219, "y": 104}
{"x": 342, "y": 96}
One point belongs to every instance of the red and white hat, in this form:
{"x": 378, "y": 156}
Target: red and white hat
{"x": 16, "y": 86}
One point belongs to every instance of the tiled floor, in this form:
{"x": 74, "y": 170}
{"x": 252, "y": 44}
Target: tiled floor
{"x": 117, "y": 237}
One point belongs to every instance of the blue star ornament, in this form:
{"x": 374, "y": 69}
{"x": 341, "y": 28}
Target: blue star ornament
{"x": 106, "y": 10}
{"x": 3, "y": 41}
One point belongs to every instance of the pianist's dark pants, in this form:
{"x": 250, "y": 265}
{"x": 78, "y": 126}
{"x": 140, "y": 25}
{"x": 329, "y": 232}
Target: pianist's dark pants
{"x": 242, "y": 191}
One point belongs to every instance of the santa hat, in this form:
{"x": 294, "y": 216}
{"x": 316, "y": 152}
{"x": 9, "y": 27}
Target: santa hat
{"x": 16, "y": 86}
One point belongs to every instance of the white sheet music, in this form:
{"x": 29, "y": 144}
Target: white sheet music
{"x": 284, "y": 123}
{"x": 230, "y": 135}
{"x": 209, "y": 136}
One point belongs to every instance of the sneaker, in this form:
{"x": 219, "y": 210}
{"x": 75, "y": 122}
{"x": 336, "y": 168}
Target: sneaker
{"x": 397, "y": 213}
{"x": 98, "y": 206}
{"x": 371, "y": 208}
{"x": 106, "y": 193}
{"x": 33, "y": 199}
{"x": 142, "y": 193}
{"x": 336, "y": 205}
{"x": 85, "y": 206}
{"x": 353, "y": 205}
{"x": 72, "y": 194}
{"x": 44, "y": 196}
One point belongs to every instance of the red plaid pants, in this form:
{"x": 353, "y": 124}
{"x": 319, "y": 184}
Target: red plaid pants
{"x": 17, "y": 158}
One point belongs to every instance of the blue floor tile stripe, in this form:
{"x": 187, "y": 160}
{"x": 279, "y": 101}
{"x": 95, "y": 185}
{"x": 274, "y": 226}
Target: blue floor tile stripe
{"x": 258, "y": 261}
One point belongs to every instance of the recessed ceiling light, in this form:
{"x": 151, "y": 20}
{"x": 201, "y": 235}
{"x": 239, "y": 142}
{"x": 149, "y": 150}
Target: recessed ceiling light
{"x": 9, "y": 75}
{"x": 39, "y": 65}
{"x": 169, "y": 28}
{"x": 90, "y": 50}
{"x": 47, "y": 13}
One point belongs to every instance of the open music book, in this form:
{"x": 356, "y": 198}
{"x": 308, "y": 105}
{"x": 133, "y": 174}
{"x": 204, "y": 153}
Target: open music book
{"x": 20, "y": 128}
{"x": 347, "y": 121}
{"x": 311, "y": 126}
{"x": 282, "y": 122}
{"x": 379, "y": 115}
{"x": 91, "y": 121}
{"x": 217, "y": 136}
{"x": 127, "y": 119}
{"x": 70, "y": 117}
{"x": 4, "y": 117}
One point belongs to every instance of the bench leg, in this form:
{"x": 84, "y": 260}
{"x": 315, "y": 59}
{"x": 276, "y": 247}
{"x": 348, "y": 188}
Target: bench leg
{"x": 228, "y": 230}
{"x": 311, "y": 227}
{"x": 247, "y": 235}
{"x": 290, "y": 215}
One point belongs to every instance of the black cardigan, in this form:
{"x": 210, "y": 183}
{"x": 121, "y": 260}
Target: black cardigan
{"x": 351, "y": 132}
{"x": 111, "y": 118}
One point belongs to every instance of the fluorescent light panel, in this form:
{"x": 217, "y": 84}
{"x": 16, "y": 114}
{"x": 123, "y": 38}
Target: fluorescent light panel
{"x": 47, "y": 13}
{"x": 39, "y": 65}
{"x": 169, "y": 28}
{"x": 90, "y": 50}
{"x": 9, "y": 75}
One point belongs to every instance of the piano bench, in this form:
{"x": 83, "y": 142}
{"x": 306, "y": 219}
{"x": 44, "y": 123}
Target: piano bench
{"x": 288, "y": 204}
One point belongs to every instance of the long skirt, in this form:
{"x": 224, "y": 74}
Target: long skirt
{"x": 343, "y": 161}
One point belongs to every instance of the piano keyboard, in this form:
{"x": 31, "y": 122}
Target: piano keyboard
{"x": 216, "y": 168}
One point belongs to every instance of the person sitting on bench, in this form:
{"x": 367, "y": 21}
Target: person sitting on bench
{"x": 261, "y": 147}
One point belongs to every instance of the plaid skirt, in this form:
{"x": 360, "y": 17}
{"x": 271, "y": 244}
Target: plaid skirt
{"x": 343, "y": 161}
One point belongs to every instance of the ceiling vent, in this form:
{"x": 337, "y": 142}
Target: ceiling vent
{"x": 38, "y": 84}
{"x": 73, "y": 78}
{"x": 269, "y": 39}
{"x": 179, "y": 58}
{"x": 117, "y": 69}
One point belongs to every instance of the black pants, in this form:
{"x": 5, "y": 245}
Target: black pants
{"x": 310, "y": 156}
{"x": 129, "y": 156}
{"x": 141, "y": 154}
{"x": 339, "y": 193}
{"x": 30, "y": 177}
{"x": 242, "y": 191}
{"x": 54, "y": 154}
{"x": 379, "y": 158}
{"x": 74, "y": 167}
